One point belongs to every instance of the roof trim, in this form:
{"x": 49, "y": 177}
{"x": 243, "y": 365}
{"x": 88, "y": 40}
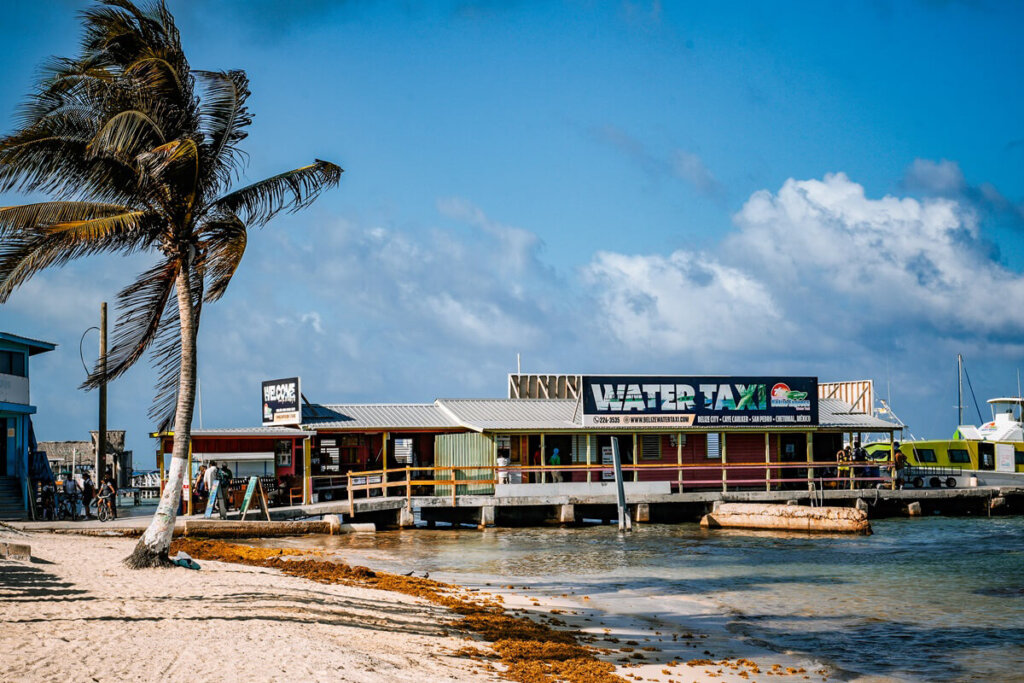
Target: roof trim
{"x": 34, "y": 345}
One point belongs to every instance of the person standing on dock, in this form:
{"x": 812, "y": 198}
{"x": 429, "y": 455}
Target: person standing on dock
{"x": 556, "y": 460}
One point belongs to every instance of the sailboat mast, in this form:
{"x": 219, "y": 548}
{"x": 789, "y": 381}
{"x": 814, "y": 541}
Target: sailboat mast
{"x": 959, "y": 389}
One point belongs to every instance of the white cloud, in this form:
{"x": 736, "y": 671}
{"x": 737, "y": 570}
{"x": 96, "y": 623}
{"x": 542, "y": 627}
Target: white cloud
{"x": 682, "y": 303}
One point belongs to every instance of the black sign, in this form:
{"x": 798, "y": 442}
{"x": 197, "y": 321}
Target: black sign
{"x": 695, "y": 401}
{"x": 282, "y": 402}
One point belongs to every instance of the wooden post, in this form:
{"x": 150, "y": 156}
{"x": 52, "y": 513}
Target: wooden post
{"x": 159, "y": 465}
{"x": 588, "y": 459}
{"x": 188, "y": 470}
{"x": 725, "y": 482}
{"x": 892, "y": 462}
{"x": 307, "y": 475}
{"x": 543, "y": 461}
{"x": 679, "y": 459}
{"x": 351, "y": 499}
{"x": 454, "y": 479}
{"x": 408, "y": 486}
{"x": 810, "y": 459}
{"x": 101, "y": 434}
{"x": 767, "y": 461}
{"x": 636, "y": 460}
{"x": 384, "y": 475}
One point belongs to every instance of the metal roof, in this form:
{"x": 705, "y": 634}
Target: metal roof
{"x": 567, "y": 414}
{"x": 488, "y": 414}
{"x": 835, "y": 414}
{"x": 377, "y": 416}
{"x": 34, "y": 345}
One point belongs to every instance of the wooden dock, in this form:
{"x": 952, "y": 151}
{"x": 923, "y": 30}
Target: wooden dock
{"x": 520, "y": 510}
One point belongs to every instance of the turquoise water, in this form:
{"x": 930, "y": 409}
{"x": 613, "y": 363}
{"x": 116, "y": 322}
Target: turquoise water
{"x": 938, "y": 599}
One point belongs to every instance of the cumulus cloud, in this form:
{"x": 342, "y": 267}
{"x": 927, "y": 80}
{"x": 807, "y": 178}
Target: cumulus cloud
{"x": 682, "y": 303}
{"x": 945, "y": 178}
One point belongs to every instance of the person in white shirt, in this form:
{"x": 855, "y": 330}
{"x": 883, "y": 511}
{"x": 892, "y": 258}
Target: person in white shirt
{"x": 70, "y": 489}
{"x": 209, "y": 477}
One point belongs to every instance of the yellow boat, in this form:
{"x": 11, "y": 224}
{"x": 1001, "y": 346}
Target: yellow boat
{"x": 989, "y": 455}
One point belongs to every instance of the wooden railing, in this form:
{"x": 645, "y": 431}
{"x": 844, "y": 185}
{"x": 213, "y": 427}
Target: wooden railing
{"x": 818, "y": 473}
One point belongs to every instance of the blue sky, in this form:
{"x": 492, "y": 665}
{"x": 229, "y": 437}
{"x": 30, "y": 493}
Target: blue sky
{"x": 680, "y": 188}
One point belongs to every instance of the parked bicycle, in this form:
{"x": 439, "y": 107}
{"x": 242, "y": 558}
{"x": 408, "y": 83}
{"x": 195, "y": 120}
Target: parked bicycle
{"x": 68, "y": 507}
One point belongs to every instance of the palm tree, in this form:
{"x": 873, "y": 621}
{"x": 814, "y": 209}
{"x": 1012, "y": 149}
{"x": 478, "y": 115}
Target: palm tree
{"x": 137, "y": 152}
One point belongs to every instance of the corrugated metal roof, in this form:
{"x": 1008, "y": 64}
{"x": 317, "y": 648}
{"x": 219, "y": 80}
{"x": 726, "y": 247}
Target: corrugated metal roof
{"x": 497, "y": 414}
{"x": 562, "y": 414}
{"x": 487, "y": 414}
{"x": 833, "y": 414}
{"x": 377, "y": 416}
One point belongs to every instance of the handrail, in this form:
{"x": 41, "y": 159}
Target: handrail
{"x": 391, "y": 478}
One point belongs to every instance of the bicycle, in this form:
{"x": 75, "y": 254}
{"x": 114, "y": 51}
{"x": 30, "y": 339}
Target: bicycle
{"x": 103, "y": 509}
{"x": 68, "y": 508}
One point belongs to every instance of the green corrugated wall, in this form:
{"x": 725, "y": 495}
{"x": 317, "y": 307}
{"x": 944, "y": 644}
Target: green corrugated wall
{"x": 459, "y": 450}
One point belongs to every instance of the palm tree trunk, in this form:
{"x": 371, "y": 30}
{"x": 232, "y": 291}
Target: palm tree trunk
{"x": 152, "y": 548}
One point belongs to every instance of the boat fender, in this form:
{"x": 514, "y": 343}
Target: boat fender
{"x": 935, "y": 483}
{"x": 951, "y": 482}
{"x": 917, "y": 482}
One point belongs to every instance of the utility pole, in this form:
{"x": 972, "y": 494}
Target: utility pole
{"x": 101, "y": 437}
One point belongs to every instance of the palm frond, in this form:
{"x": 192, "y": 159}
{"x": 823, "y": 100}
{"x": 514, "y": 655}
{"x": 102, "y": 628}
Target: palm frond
{"x": 223, "y": 241}
{"x": 14, "y": 219}
{"x": 291, "y": 191}
{"x": 141, "y": 306}
{"x": 126, "y": 135}
{"x": 224, "y": 118}
{"x": 31, "y": 251}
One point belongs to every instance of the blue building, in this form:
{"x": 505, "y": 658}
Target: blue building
{"x": 15, "y": 424}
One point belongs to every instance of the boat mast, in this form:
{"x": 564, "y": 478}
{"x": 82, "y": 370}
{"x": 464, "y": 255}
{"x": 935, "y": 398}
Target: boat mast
{"x": 959, "y": 389}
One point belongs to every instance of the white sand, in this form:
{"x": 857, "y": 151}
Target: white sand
{"x": 76, "y": 614}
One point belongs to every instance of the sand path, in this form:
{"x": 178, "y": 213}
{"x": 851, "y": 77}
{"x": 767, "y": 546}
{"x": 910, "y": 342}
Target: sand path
{"x": 76, "y": 614}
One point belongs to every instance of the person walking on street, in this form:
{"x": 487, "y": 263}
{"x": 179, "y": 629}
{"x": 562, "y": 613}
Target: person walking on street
{"x": 88, "y": 490}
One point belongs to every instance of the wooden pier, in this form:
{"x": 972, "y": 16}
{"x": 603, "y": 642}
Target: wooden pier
{"x": 576, "y": 508}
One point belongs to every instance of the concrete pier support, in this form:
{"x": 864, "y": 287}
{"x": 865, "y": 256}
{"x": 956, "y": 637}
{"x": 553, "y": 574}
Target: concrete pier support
{"x": 486, "y": 516}
{"x": 567, "y": 514}
{"x": 642, "y": 512}
{"x": 406, "y": 518}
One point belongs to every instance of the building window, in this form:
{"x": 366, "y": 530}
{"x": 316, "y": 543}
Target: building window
{"x": 12, "y": 363}
{"x": 650, "y": 447}
{"x": 959, "y": 456}
{"x": 925, "y": 455}
{"x": 714, "y": 446}
{"x": 1018, "y": 457}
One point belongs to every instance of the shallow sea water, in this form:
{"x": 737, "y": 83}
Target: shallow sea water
{"x": 937, "y": 599}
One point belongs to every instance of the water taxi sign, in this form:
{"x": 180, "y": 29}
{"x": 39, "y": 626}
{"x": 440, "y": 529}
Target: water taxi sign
{"x": 699, "y": 401}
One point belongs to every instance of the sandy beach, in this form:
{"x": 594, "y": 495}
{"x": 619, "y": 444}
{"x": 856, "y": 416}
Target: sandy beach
{"x": 76, "y": 614}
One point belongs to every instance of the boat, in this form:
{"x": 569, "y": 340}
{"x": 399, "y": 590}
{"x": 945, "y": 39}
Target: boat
{"x": 991, "y": 454}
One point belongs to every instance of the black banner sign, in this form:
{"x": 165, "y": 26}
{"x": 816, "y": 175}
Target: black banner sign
{"x": 695, "y": 401}
{"x": 282, "y": 402}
